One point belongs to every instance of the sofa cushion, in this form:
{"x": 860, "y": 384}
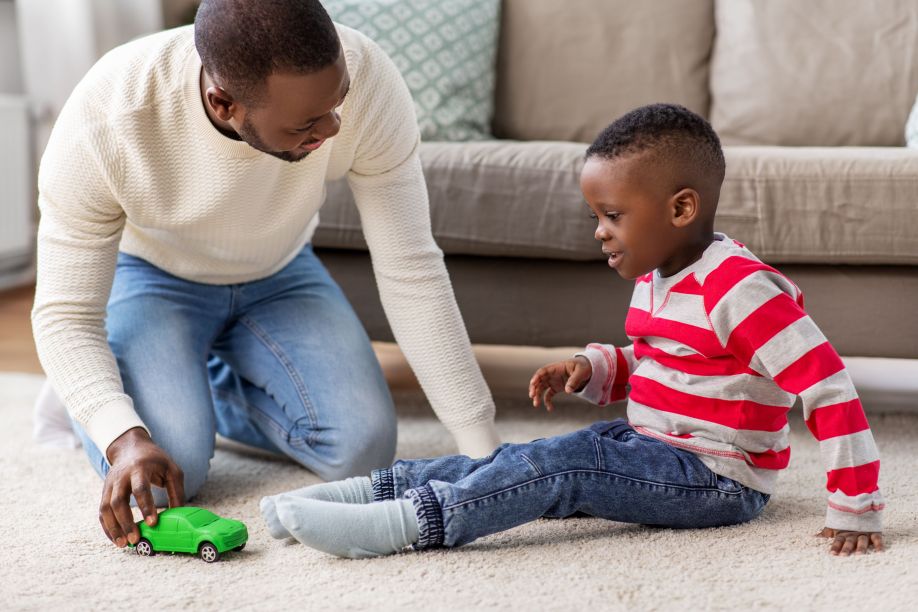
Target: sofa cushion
{"x": 446, "y": 53}
{"x": 814, "y": 73}
{"x": 566, "y": 69}
{"x": 789, "y": 205}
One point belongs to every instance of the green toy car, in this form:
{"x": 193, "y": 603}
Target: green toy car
{"x": 191, "y": 530}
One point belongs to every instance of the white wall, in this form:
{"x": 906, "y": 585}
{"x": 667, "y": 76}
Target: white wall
{"x": 10, "y": 71}
{"x": 62, "y": 39}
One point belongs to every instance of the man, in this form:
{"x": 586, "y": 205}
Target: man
{"x": 177, "y": 292}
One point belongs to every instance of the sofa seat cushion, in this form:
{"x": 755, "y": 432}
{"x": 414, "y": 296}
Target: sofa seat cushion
{"x": 789, "y": 205}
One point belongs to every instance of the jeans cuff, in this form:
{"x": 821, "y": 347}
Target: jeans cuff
{"x": 383, "y": 485}
{"x": 430, "y": 517}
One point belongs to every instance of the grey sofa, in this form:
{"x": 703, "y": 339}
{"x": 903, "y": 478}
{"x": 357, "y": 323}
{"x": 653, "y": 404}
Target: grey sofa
{"x": 810, "y": 100}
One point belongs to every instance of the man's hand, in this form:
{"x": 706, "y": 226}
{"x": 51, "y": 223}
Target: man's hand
{"x": 845, "y": 543}
{"x": 570, "y": 376}
{"x": 137, "y": 463}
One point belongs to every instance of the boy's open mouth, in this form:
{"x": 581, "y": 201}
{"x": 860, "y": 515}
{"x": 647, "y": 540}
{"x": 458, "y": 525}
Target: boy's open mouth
{"x": 614, "y": 257}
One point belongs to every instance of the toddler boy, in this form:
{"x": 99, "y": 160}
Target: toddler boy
{"x": 721, "y": 348}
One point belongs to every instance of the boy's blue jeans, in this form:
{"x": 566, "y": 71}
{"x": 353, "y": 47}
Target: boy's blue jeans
{"x": 607, "y": 470}
{"x": 281, "y": 363}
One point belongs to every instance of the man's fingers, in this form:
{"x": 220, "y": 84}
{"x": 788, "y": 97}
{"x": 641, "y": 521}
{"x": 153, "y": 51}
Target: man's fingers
{"x": 175, "y": 486}
{"x": 140, "y": 486}
{"x": 104, "y": 528}
{"x": 121, "y": 507}
{"x": 108, "y": 516}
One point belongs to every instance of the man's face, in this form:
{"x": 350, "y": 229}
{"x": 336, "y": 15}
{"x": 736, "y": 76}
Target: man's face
{"x": 298, "y": 112}
{"x": 632, "y": 211}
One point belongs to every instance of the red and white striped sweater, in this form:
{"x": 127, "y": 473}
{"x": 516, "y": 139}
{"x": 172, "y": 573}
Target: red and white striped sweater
{"x": 721, "y": 350}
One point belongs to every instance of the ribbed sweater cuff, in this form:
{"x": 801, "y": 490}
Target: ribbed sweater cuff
{"x": 596, "y": 390}
{"x": 865, "y": 521}
{"x": 110, "y": 421}
{"x": 478, "y": 440}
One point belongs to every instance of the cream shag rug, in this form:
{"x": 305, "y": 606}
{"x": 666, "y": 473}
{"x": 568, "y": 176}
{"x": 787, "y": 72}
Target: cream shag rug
{"x": 53, "y": 554}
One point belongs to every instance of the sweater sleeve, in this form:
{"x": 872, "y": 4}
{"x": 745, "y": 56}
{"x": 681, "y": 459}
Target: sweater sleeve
{"x": 78, "y": 235}
{"x": 388, "y": 186}
{"x": 758, "y": 315}
{"x": 612, "y": 366}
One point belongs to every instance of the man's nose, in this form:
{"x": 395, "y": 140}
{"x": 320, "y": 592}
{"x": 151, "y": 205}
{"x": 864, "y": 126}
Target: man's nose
{"x": 329, "y": 126}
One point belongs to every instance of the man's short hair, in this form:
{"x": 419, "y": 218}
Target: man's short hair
{"x": 242, "y": 42}
{"x": 673, "y": 132}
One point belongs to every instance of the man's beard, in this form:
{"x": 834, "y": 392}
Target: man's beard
{"x": 250, "y": 136}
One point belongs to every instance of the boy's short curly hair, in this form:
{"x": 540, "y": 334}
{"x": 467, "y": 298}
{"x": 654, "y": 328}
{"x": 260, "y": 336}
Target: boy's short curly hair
{"x": 672, "y": 131}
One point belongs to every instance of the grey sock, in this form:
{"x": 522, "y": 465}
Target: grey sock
{"x": 350, "y": 530}
{"x": 358, "y": 490}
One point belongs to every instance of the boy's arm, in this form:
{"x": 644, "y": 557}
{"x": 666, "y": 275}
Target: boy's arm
{"x": 612, "y": 366}
{"x": 758, "y": 316}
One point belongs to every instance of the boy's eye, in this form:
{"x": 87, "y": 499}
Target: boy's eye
{"x": 613, "y": 215}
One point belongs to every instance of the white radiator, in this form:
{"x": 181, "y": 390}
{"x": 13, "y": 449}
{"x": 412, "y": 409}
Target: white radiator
{"x": 17, "y": 195}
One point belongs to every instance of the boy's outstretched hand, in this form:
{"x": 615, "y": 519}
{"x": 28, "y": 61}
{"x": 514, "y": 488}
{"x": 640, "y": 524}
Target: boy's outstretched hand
{"x": 570, "y": 376}
{"x": 845, "y": 543}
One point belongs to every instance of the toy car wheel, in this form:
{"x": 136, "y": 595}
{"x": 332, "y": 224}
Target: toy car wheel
{"x": 240, "y": 547}
{"x": 209, "y": 552}
{"x": 144, "y": 548}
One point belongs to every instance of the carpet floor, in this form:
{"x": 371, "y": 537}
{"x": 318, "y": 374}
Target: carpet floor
{"x": 53, "y": 553}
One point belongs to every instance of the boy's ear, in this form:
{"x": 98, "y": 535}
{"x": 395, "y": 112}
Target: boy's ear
{"x": 686, "y": 206}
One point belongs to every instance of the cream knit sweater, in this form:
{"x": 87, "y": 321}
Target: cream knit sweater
{"x": 134, "y": 163}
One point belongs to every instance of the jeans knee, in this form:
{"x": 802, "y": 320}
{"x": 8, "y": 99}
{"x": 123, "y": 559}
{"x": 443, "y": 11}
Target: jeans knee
{"x": 358, "y": 455}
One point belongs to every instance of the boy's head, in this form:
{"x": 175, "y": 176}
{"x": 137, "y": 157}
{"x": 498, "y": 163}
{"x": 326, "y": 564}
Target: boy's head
{"x": 652, "y": 179}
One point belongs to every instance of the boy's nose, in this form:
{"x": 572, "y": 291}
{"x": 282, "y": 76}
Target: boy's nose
{"x": 601, "y": 233}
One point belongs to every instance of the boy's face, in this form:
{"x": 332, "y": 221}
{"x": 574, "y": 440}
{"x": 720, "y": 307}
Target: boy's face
{"x": 634, "y": 214}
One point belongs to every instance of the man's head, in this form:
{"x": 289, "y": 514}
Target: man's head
{"x": 274, "y": 72}
{"x": 652, "y": 179}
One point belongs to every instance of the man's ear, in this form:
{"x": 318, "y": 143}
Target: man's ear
{"x": 222, "y": 103}
{"x": 686, "y": 206}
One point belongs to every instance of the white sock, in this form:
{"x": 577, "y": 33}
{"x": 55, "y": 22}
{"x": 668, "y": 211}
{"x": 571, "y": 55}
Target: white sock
{"x": 358, "y": 490}
{"x": 51, "y": 426}
{"x": 357, "y": 531}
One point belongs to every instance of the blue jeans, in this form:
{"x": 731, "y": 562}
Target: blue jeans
{"x": 607, "y": 470}
{"x": 281, "y": 363}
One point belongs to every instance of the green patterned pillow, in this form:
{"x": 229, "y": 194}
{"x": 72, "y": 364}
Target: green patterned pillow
{"x": 446, "y": 52}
